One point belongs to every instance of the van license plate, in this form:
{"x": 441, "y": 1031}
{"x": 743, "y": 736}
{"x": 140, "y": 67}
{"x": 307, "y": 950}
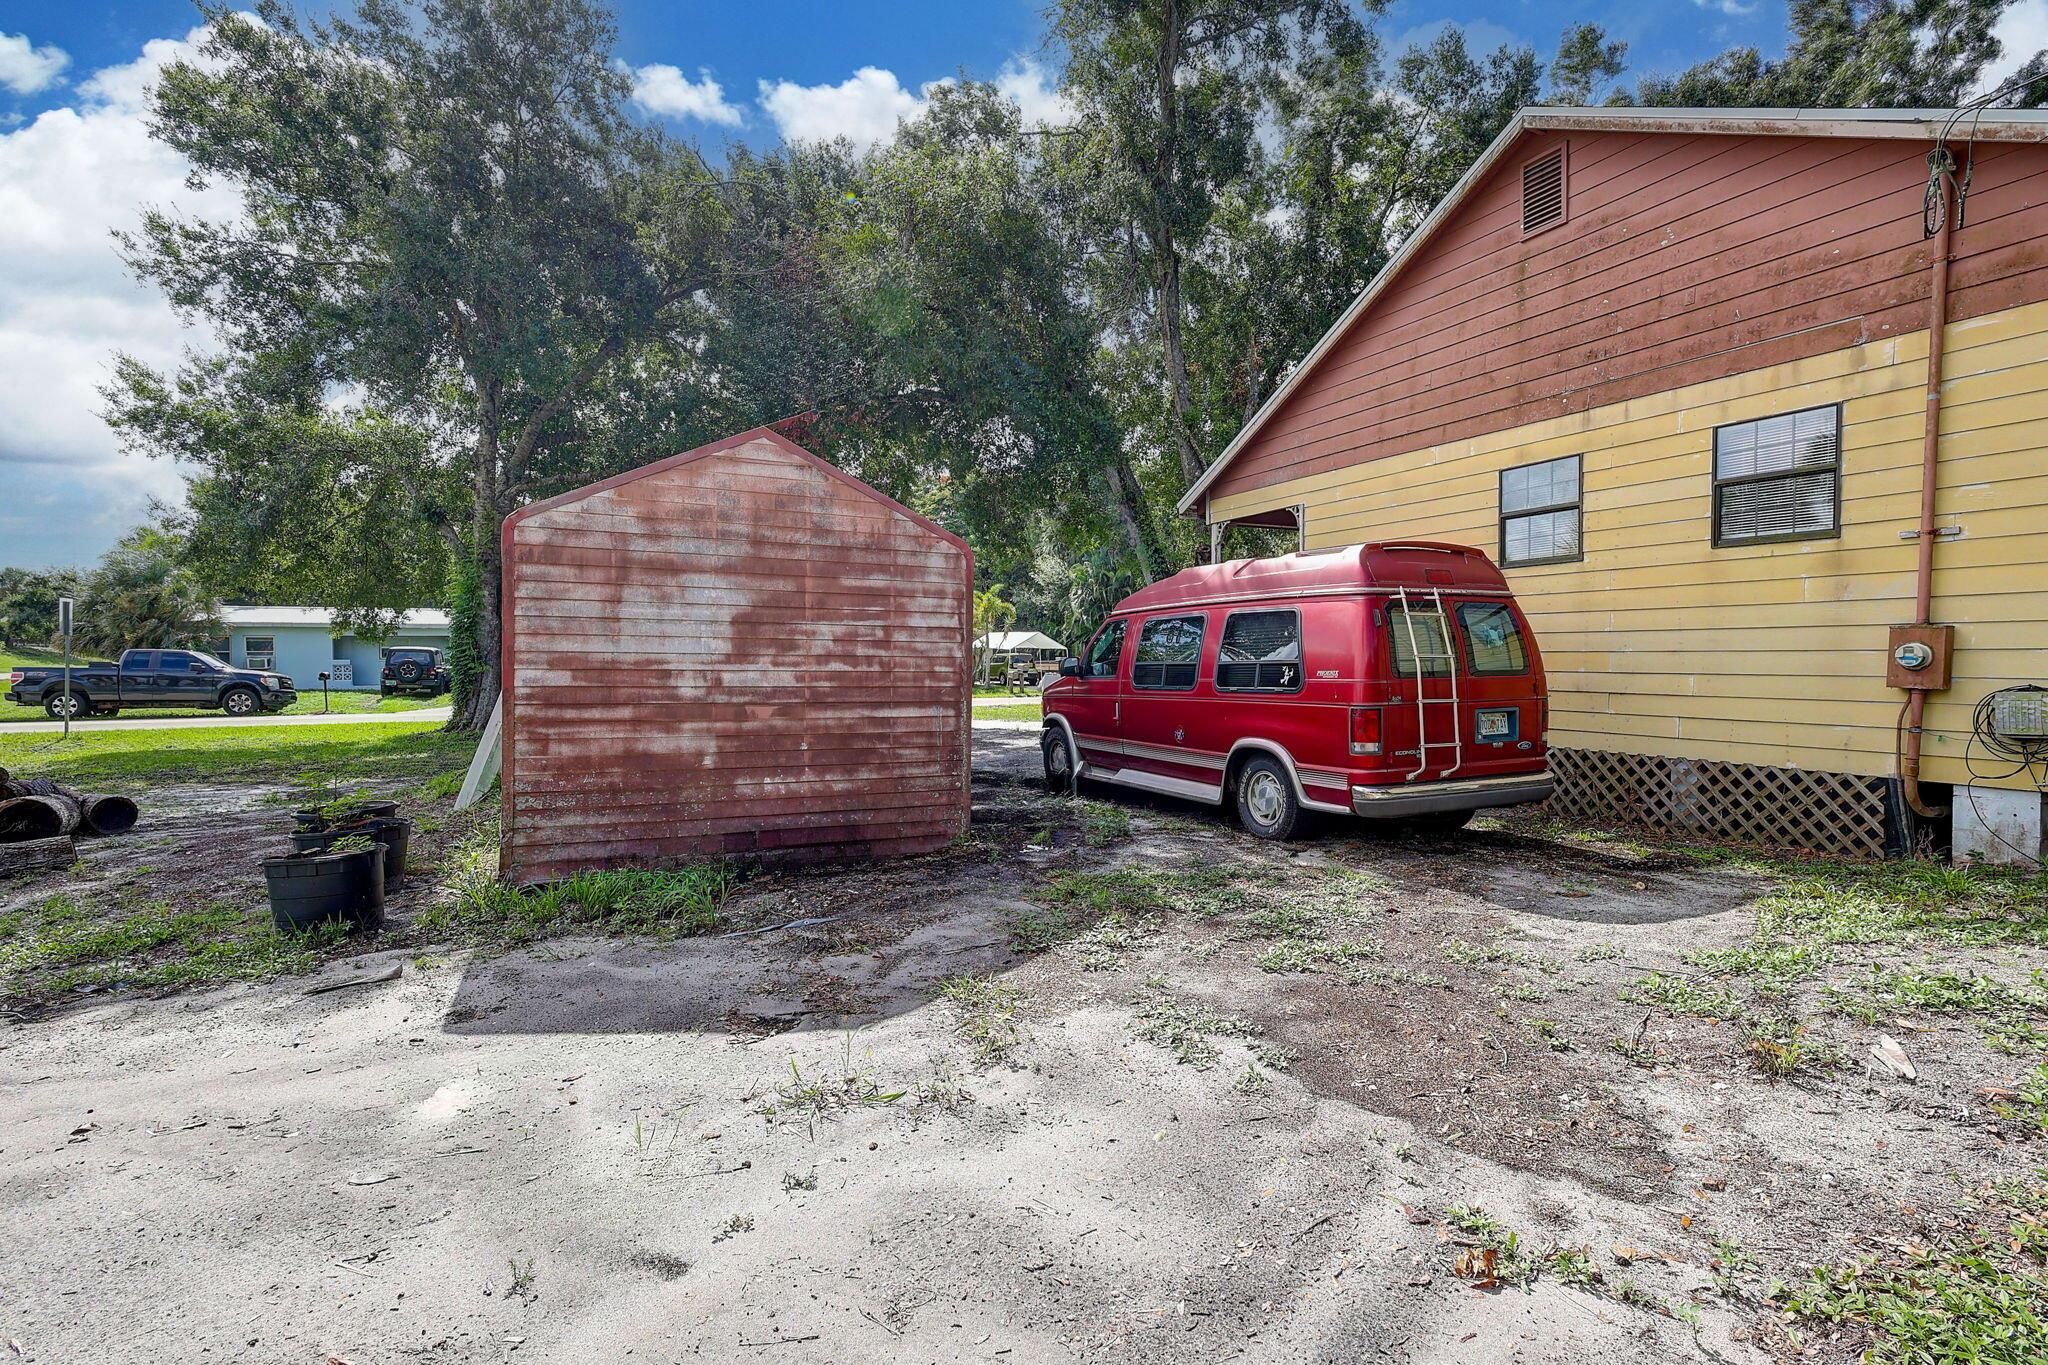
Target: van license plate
{"x": 1496, "y": 724}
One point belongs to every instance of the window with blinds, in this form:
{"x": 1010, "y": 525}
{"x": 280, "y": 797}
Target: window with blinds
{"x": 1261, "y": 652}
{"x": 1169, "y": 654}
{"x": 1543, "y": 192}
{"x": 1539, "y": 513}
{"x": 1779, "y": 478}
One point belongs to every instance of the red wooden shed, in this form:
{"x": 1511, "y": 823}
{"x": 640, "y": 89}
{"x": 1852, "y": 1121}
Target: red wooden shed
{"x": 738, "y": 650}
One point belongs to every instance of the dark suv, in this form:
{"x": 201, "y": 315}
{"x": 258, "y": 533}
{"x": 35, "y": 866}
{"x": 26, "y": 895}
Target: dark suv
{"x": 414, "y": 672}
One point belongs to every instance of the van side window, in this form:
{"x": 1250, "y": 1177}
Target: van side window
{"x": 1169, "y": 653}
{"x": 1106, "y": 652}
{"x": 1493, "y": 643}
{"x": 1419, "y": 630}
{"x": 1261, "y": 652}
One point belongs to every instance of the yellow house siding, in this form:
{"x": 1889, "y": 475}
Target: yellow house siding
{"x": 1660, "y": 643}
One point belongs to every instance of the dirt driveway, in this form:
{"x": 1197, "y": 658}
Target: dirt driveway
{"x": 1108, "y": 1082}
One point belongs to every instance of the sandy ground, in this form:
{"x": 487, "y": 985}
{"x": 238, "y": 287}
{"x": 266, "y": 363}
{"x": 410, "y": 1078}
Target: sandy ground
{"x": 778, "y": 1145}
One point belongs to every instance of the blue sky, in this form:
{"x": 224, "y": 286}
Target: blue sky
{"x": 76, "y": 162}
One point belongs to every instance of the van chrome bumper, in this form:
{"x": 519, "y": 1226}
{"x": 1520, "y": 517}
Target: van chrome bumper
{"x": 1427, "y": 798}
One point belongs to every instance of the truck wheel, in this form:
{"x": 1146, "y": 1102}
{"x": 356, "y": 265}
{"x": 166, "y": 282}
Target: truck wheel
{"x": 1059, "y": 762}
{"x": 58, "y": 706}
{"x": 408, "y": 671}
{"x": 241, "y": 701}
{"x": 1265, "y": 800}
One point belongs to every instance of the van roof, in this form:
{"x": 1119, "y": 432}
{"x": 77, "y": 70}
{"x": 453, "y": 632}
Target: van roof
{"x": 1380, "y": 566}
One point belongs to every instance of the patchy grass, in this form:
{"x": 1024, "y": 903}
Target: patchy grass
{"x": 988, "y": 1014}
{"x": 1782, "y": 1049}
{"x": 1975, "y": 1297}
{"x": 1303, "y": 955}
{"x": 2010, "y": 1017}
{"x": 59, "y": 946}
{"x": 818, "y": 1097}
{"x": 1683, "y": 995}
{"x": 1509, "y": 1262}
{"x": 1008, "y": 708}
{"x": 1188, "y": 1030}
{"x": 659, "y": 902}
{"x": 302, "y": 755}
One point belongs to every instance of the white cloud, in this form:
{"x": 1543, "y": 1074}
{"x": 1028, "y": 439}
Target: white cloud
{"x": 25, "y": 68}
{"x": 865, "y": 109}
{"x": 1482, "y": 36}
{"x": 663, "y": 89}
{"x": 2021, "y": 32}
{"x": 68, "y": 179}
{"x": 1024, "y": 81}
{"x": 868, "y": 107}
{"x": 1734, "y": 9}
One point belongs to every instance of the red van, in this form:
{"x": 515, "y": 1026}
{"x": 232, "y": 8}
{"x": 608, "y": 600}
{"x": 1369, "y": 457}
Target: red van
{"x": 1395, "y": 680}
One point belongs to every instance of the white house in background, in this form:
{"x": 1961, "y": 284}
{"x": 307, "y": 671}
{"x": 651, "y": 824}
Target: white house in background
{"x": 301, "y": 642}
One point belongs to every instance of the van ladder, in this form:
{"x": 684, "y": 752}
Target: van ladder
{"x": 1423, "y": 702}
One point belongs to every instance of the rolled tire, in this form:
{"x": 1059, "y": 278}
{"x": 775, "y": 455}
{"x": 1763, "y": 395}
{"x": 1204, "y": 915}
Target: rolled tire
{"x": 57, "y": 705}
{"x": 1265, "y": 800}
{"x": 241, "y": 701}
{"x": 1058, "y": 756}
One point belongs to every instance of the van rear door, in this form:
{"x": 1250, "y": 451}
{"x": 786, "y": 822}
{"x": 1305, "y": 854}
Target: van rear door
{"x": 1500, "y": 683}
{"x": 1467, "y": 689}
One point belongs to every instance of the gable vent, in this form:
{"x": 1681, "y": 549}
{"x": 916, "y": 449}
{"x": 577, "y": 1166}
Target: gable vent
{"x": 1543, "y": 192}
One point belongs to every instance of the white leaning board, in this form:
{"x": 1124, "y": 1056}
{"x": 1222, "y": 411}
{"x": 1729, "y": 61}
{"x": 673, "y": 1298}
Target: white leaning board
{"x": 483, "y": 766}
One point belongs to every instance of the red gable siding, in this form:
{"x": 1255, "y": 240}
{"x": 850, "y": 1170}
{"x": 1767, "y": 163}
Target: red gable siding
{"x": 1682, "y": 258}
{"x": 738, "y": 650}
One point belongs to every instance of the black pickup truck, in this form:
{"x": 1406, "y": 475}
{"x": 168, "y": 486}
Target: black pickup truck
{"x": 152, "y": 677}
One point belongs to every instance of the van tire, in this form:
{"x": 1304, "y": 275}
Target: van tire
{"x": 1266, "y": 805}
{"x": 1059, "y": 762}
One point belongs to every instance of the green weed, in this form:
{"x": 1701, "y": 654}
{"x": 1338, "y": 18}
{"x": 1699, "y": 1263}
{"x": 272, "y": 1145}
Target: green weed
{"x": 988, "y": 1014}
{"x": 1682, "y": 995}
{"x": 1186, "y": 1030}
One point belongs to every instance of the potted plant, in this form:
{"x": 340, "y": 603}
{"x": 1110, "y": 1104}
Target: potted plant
{"x": 343, "y": 881}
{"x": 394, "y": 832}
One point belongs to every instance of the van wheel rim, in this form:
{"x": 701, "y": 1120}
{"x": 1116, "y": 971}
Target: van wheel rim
{"x": 1056, "y": 758}
{"x": 1264, "y": 798}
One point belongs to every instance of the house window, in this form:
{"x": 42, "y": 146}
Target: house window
{"x": 1106, "y": 652}
{"x": 1169, "y": 653}
{"x": 1419, "y": 633}
{"x": 1779, "y": 478}
{"x": 260, "y": 651}
{"x": 1543, "y": 192}
{"x": 1493, "y": 642}
{"x": 1539, "y": 513}
{"x": 1261, "y": 652}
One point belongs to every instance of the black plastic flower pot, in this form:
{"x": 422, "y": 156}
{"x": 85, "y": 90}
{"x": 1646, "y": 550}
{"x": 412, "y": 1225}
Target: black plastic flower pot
{"x": 394, "y": 832}
{"x": 310, "y": 888}
{"x": 312, "y": 819}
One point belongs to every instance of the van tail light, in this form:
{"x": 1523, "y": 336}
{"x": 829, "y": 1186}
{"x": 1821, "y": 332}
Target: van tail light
{"x": 1365, "y": 729}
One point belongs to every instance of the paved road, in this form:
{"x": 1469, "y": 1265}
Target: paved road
{"x": 438, "y": 715}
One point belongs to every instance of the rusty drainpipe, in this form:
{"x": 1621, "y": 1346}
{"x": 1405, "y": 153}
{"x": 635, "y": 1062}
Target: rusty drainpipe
{"x": 1930, "y": 452}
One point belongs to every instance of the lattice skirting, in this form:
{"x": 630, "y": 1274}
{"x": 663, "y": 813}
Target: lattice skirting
{"x": 1788, "y": 807}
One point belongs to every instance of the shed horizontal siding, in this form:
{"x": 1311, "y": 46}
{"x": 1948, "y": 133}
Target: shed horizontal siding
{"x": 1684, "y": 259}
{"x": 1658, "y": 642}
{"x": 737, "y": 652}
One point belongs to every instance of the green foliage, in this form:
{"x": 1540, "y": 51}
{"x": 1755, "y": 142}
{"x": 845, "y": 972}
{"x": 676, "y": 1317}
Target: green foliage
{"x": 988, "y": 1014}
{"x": 1849, "y": 54}
{"x": 59, "y": 944}
{"x": 465, "y": 622}
{"x": 28, "y": 603}
{"x": 300, "y": 755}
{"x": 1977, "y": 1297}
{"x": 1188, "y": 1030}
{"x": 667, "y": 902}
{"x": 142, "y": 596}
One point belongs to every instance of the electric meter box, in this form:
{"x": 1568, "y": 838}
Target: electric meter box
{"x": 1919, "y": 659}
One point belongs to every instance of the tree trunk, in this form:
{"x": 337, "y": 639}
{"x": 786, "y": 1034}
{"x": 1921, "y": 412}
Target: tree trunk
{"x": 489, "y": 625}
{"x": 1126, "y": 499}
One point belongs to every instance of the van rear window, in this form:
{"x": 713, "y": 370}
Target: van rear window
{"x": 1419, "y": 631}
{"x": 1493, "y": 642}
{"x": 1169, "y": 653}
{"x": 1261, "y": 652}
